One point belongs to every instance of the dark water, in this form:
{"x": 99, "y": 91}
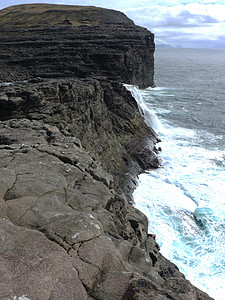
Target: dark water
{"x": 185, "y": 199}
{"x": 196, "y": 80}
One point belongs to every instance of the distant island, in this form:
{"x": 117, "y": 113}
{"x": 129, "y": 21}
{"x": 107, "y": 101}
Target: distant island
{"x": 163, "y": 46}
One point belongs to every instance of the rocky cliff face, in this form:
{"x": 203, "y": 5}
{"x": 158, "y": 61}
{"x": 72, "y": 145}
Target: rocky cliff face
{"x": 91, "y": 111}
{"x": 68, "y": 41}
{"x": 67, "y": 230}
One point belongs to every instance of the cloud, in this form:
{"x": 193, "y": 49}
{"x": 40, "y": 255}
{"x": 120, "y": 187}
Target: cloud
{"x": 188, "y": 41}
{"x": 182, "y": 19}
{"x": 189, "y": 19}
{"x": 185, "y": 15}
{"x": 192, "y": 21}
{"x": 172, "y": 20}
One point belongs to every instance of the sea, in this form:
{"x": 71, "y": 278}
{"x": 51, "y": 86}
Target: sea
{"x": 184, "y": 199}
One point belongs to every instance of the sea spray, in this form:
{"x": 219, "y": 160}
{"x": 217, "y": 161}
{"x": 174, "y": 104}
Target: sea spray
{"x": 149, "y": 117}
{"x": 184, "y": 200}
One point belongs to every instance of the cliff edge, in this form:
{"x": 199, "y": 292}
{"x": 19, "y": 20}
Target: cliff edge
{"x": 67, "y": 229}
{"x": 66, "y": 41}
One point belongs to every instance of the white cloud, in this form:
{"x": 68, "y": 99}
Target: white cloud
{"x": 181, "y": 15}
{"x": 198, "y": 18}
{"x": 200, "y": 21}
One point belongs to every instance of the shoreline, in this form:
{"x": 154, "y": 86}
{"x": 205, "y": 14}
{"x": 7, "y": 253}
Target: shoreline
{"x": 66, "y": 226}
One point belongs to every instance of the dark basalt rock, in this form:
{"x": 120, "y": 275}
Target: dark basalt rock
{"x": 90, "y": 110}
{"x": 100, "y": 42}
{"x": 67, "y": 230}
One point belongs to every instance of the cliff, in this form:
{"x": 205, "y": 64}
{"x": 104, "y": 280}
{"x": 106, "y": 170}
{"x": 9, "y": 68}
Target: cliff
{"x": 68, "y": 41}
{"x": 67, "y": 229}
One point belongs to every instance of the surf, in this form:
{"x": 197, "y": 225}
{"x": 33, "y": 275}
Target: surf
{"x": 149, "y": 117}
{"x": 184, "y": 199}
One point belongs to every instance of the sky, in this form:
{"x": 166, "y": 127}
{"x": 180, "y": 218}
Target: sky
{"x": 178, "y": 23}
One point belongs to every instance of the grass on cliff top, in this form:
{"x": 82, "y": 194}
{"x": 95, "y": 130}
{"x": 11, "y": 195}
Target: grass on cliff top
{"x": 54, "y": 14}
{"x": 47, "y": 14}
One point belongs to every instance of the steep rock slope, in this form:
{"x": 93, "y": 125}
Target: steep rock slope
{"x": 66, "y": 41}
{"x": 67, "y": 230}
{"x": 103, "y": 115}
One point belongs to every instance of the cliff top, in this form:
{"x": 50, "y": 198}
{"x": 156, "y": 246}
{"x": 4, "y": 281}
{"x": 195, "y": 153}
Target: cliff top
{"x": 66, "y": 226}
{"x": 58, "y": 41}
{"x": 54, "y": 14}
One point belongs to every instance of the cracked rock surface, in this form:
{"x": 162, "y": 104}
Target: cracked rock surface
{"x": 68, "y": 229}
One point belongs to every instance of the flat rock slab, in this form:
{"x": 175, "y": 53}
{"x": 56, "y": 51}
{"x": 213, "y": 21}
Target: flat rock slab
{"x": 34, "y": 267}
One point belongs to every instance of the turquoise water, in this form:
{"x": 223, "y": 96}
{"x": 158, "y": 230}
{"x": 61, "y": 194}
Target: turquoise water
{"x": 185, "y": 199}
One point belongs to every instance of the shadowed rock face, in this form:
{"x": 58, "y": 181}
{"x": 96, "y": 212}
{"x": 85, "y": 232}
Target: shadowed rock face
{"x": 67, "y": 230}
{"x": 67, "y": 41}
{"x": 91, "y": 111}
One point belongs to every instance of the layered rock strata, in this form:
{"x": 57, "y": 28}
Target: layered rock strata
{"x": 67, "y": 229}
{"x": 67, "y": 41}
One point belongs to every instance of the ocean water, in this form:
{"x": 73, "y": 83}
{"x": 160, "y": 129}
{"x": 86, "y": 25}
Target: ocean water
{"x": 184, "y": 200}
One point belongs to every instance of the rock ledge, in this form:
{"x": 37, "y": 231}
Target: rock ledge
{"x": 67, "y": 229}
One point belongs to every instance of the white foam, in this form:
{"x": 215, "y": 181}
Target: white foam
{"x": 156, "y": 88}
{"x": 188, "y": 189}
{"x": 149, "y": 117}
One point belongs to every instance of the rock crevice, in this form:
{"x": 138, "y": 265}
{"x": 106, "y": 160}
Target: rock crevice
{"x": 67, "y": 227}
